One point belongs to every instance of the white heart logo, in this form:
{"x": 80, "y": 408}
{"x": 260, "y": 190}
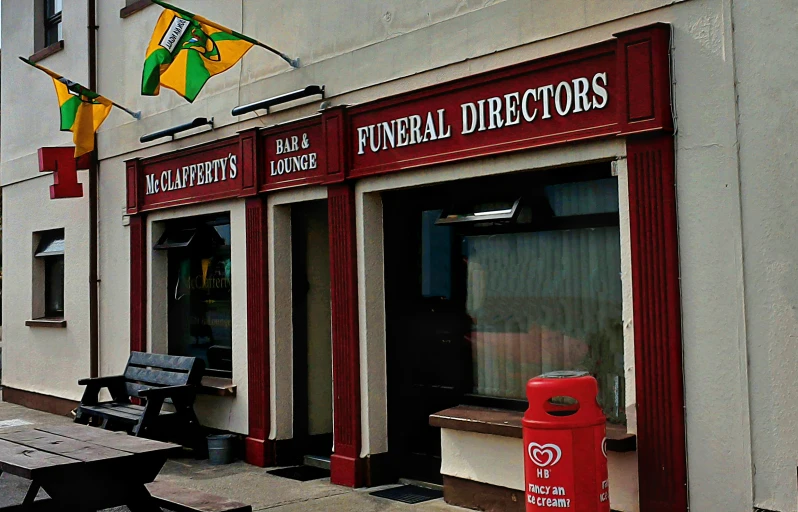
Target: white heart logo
{"x": 544, "y": 455}
{"x": 604, "y": 447}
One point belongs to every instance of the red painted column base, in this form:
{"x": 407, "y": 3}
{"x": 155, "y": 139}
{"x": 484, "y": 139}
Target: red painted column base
{"x": 258, "y": 452}
{"x": 347, "y": 471}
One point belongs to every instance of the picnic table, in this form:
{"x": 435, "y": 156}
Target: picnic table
{"x": 83, "y": 468}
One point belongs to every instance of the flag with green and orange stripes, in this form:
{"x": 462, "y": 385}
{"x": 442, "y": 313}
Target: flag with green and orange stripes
{"x": 82, "y": 110}
{"x": 186, "y": 50}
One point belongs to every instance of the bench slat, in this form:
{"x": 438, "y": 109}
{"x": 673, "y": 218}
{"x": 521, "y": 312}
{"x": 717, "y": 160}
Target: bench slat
{"x": 63, "y": 446}
{"x": 161, "y": 361}
{"x": 179, "y": 499}
{"x": 26, "y": 462}
{"x": 116, "y": 440}
{"x": 103, "y": 410}
{"x": 158, "y": 377}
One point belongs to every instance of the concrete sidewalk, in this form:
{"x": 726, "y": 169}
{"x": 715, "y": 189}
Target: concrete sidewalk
{"x": 238, "y": 481}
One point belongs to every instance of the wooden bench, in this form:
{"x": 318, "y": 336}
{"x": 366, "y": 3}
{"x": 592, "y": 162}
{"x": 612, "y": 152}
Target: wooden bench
{"x": 153, "y": 379}
{"x": 178, "y": 499}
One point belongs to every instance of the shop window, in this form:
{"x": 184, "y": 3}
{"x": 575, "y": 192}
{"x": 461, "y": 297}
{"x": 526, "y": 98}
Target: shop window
{"x": 49, "y": 272}
{"x": 199, "y": 281}
{"x": 53, "y": 32}
{"x": 541, "y": 287}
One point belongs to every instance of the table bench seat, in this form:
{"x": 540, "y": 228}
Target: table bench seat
{"x": 122, "y": 413}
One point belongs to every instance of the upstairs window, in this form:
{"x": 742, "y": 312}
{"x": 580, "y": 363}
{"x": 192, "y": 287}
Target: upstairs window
{"x": 52, "y": 22}
{"x": 50, "y": 261}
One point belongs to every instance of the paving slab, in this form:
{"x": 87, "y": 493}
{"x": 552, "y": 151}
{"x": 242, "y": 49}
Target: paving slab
{"x": 237, "y": 481}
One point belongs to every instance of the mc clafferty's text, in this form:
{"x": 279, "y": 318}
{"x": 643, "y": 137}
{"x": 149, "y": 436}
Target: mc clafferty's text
{"x": 194, "y": 175}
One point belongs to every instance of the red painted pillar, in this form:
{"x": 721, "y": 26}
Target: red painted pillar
{"x": 346, "y": 466}
{"x": 661, "y": 450}
{"x": 258, "y": 449}
{"x": 138, "y": 283}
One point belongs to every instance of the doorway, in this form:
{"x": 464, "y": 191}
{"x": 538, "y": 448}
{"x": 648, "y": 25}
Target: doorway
{"x": 490, "y": 282}
{"x": 312, "y": 339}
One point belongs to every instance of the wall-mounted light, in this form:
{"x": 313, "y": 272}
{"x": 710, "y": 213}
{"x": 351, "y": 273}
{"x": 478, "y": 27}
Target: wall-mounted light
{"x": 171, "y": 132}
{"x": 310, "y": 90}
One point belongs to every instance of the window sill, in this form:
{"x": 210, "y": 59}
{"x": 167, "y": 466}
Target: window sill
{"x": 130, "y": 10}
{"x": 217, "y": 386}
{"x": 46, "y": 52}
{"x": 58, "y": 323}
{"x": 506, "y": 423}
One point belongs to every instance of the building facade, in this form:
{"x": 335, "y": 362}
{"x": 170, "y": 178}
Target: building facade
{"x": 485, "y": 191}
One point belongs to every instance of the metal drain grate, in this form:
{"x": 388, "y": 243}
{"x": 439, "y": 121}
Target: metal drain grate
{"x": 301, "y": 473}
{"x": 410, "y": 494}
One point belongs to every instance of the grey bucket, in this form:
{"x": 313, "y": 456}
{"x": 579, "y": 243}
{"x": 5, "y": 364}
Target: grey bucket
{"x": 220, "y": 449}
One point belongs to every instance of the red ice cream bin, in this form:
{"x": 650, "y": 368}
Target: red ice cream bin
{"x": 565, "y": 444}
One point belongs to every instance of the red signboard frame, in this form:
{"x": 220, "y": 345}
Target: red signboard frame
{"x": 239, "y": 186}
{"x": 312, "y": 127}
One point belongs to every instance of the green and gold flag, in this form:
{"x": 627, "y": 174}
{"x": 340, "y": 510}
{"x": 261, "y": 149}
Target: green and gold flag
{"x": 82, "y": 110}
{"x": 186, "y": 50}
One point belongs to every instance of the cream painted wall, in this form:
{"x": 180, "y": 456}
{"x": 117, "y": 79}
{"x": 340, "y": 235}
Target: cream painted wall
{"x": 764, "y": 57}
{"x": 43, "y": 360}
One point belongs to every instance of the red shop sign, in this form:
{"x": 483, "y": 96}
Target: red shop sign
{"x": 617, "y": 87}
{"x": 203, "y": 173}
{"x": 295, "y": 155}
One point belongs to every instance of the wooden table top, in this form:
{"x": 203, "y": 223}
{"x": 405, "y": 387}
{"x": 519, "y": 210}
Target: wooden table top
{"x": 29, "y": 452}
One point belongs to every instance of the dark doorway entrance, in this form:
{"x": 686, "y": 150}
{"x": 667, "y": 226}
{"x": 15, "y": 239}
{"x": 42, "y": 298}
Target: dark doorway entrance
{"x": 425, "y": 333}
{"x": 311, "y": 325}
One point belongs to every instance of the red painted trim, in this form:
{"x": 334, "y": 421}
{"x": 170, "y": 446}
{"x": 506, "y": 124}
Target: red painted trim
{"x": 662, "y": 464}
{"x": 132, "y": 187}
{"x": 242, "y": 185}
{"x": 250, "y": 164}
{"x": 258, "y": 449}
{"x": 334, "y": 124}
{"x": 308, "y": 130}
{"x": 638, "y": 84}
{"x": 138, "y": 283}
{"x": 645, "y": 81}
{"x": 345, "y": 464}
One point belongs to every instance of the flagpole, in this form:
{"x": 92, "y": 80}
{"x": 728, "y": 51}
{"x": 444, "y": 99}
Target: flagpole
{"x": 56, "y": 76}
{"x": 294, "y": 63}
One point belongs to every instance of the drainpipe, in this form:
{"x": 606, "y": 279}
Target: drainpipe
{"x": 94, "y": 325}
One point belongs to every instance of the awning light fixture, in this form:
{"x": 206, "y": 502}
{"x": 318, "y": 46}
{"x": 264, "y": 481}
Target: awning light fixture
{"x": 310, "y": 90}
{"x": 171, "y": 132}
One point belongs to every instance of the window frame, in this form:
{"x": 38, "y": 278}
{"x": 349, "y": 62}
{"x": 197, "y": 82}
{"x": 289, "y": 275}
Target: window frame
{"x": 52, "y": 21}
{"x": 49, "y": 250}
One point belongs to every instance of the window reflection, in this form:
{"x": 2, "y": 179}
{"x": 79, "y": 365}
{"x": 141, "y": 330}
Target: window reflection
{"x": 200, "y": 313}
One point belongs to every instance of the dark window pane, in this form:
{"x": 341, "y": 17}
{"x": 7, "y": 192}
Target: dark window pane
{"x": 200, "y": 314}
{"x": 436, "y": 256}
{"x": 54, "y": 286}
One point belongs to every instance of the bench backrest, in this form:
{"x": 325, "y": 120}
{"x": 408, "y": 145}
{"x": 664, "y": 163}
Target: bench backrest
{"x": 145, "y": 370}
